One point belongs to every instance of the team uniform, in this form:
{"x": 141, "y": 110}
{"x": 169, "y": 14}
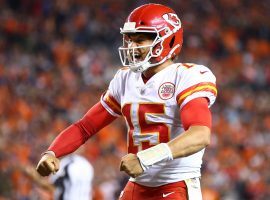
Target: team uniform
{"x": 74, "y": 179}
{"x": 151, "y": 111}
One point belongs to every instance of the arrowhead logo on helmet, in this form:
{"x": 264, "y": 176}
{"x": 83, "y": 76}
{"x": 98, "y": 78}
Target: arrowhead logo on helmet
{"x": 173, "y": 19}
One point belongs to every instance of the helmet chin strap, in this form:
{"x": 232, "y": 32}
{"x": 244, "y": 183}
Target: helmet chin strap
{"x": 140, "y": 68}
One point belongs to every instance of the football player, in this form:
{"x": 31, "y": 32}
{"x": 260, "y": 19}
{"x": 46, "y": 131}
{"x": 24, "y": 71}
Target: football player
{"x": 165, "y": 105}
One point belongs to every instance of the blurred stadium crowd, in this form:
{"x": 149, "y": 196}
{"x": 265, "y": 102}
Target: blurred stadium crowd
{"x": 58, "y": 56}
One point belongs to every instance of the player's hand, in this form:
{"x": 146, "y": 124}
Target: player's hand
{"x": 48, "y": 164}
{"x": 131, "y": 165}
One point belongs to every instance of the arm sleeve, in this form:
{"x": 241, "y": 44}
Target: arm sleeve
{"x": 196, "y": 112}
{"x": 78, "y": 133}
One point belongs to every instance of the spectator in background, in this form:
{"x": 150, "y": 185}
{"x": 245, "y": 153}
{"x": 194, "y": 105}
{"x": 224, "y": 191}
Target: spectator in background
{"x": 232, "y": 36}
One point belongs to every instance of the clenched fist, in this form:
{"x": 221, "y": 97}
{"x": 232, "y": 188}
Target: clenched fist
{"x": 131, "y": 165}
{"x": 48, "y": 164}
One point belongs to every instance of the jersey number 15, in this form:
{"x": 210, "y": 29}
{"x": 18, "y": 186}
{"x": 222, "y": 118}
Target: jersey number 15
{"x": 144, "y": 132}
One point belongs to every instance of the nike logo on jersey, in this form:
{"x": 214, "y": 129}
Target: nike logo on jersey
{"x": 165, "y": 195}
{"x": 202, "y": 72}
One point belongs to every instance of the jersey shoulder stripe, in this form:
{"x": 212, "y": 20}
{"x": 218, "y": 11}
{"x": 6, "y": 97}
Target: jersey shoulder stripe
{"x": 203, "y": 86}
{"x": 111, "y": 103}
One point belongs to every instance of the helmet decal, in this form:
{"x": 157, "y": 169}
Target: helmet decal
{"x": 172, "y": 19}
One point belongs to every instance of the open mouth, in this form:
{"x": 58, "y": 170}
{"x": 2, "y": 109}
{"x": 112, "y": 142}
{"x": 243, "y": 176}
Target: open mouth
{"x": 138, "y": 57}
{"x": 135, "y": 55}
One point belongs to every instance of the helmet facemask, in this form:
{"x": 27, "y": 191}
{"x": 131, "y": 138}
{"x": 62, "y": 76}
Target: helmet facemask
{"x": 129, "y": 54}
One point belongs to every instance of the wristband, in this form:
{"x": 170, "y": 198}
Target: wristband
{"x": 153, "y": 155}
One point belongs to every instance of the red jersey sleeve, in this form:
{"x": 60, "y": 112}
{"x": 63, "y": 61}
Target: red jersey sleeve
{"x": 196, "y": 112}
{"x": 78, "y": 133}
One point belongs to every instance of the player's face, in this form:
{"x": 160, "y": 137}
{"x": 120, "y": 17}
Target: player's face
{"x": 140, "y": 44}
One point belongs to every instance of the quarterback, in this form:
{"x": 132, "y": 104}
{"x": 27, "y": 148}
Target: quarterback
{"x": 165, "y": 105}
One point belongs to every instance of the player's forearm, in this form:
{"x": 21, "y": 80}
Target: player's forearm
{"x": 45, "y": 184}
{"x": 75, "y": 135}
{"x": 32, "y": 174}
{"x": 68, "y": 141}
{"x": 191, "y": 141}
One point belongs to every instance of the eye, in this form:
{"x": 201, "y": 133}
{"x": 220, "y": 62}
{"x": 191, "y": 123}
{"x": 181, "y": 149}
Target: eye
{"x": 139, "y": 41}
{"x": 143, "y": 40}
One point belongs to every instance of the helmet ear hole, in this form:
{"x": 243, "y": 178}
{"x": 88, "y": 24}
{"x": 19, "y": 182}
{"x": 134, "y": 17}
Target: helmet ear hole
{"x": 157, "y": 51}
{"x": 167, "y": 30}
{"x": 172, "y": 42}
